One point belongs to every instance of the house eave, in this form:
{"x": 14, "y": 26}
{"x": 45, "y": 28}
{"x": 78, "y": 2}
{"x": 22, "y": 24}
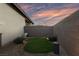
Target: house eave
{"x": 27, "y": 19}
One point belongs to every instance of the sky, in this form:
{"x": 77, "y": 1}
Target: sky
{"x": 48, "y": 14}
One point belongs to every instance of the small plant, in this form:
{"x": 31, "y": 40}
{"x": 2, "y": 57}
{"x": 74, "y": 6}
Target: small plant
{"x": 52, "y": 39}
{"x": 19, "y": 40}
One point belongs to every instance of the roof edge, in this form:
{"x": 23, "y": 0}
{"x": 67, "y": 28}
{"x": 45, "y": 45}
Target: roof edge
{"x": 20, "y": 12}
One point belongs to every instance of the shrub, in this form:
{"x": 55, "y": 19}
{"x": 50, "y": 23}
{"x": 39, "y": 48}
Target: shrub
{"x": 52, "y": 39}
{"x": 38, "y": 45}
{"x": 19, "y": 40}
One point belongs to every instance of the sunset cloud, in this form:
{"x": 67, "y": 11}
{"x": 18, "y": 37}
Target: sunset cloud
{"x": 48, "y": 14}
{"x": 25, "y": 7}
{"x": 52, "y": 13}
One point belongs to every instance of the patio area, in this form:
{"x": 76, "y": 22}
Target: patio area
{"x": 13, "y": 49}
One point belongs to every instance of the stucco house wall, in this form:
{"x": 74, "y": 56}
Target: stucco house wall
{"x": 11, "y": 24}
{"x": 39, "y": 31}
{"x": 67, "y": 32}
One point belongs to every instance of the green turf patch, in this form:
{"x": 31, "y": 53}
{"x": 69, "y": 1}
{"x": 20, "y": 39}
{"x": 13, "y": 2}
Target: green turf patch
{"x": 38, "y": 45}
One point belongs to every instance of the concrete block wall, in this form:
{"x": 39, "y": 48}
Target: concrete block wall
{"x": 68, "y": 34}
{"x": 38, "y": 31}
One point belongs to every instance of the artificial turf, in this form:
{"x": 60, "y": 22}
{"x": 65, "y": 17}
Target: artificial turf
{"x": 38, "y": 45}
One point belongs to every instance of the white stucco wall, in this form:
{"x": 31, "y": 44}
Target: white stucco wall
{"x": 11, "y": 24}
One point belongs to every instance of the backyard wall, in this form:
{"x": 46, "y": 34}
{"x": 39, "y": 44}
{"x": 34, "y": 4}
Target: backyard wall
{"x": 11, "y": 24}
{"x": 68, "y": 34}
{"x": 39, "y": 31}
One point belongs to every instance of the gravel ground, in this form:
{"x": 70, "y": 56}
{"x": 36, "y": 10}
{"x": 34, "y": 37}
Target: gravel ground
{"x": 17, "y": 50}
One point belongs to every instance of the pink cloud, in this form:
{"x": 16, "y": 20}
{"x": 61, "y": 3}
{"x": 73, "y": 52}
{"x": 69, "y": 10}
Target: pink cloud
{"x": 25, "y": 7}
{"x": 53, "y": 13}
{"x": 52, "y": 16}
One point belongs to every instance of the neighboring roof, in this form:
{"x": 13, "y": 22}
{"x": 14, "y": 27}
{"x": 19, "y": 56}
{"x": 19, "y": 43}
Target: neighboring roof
{"x": 14, "y": 6}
